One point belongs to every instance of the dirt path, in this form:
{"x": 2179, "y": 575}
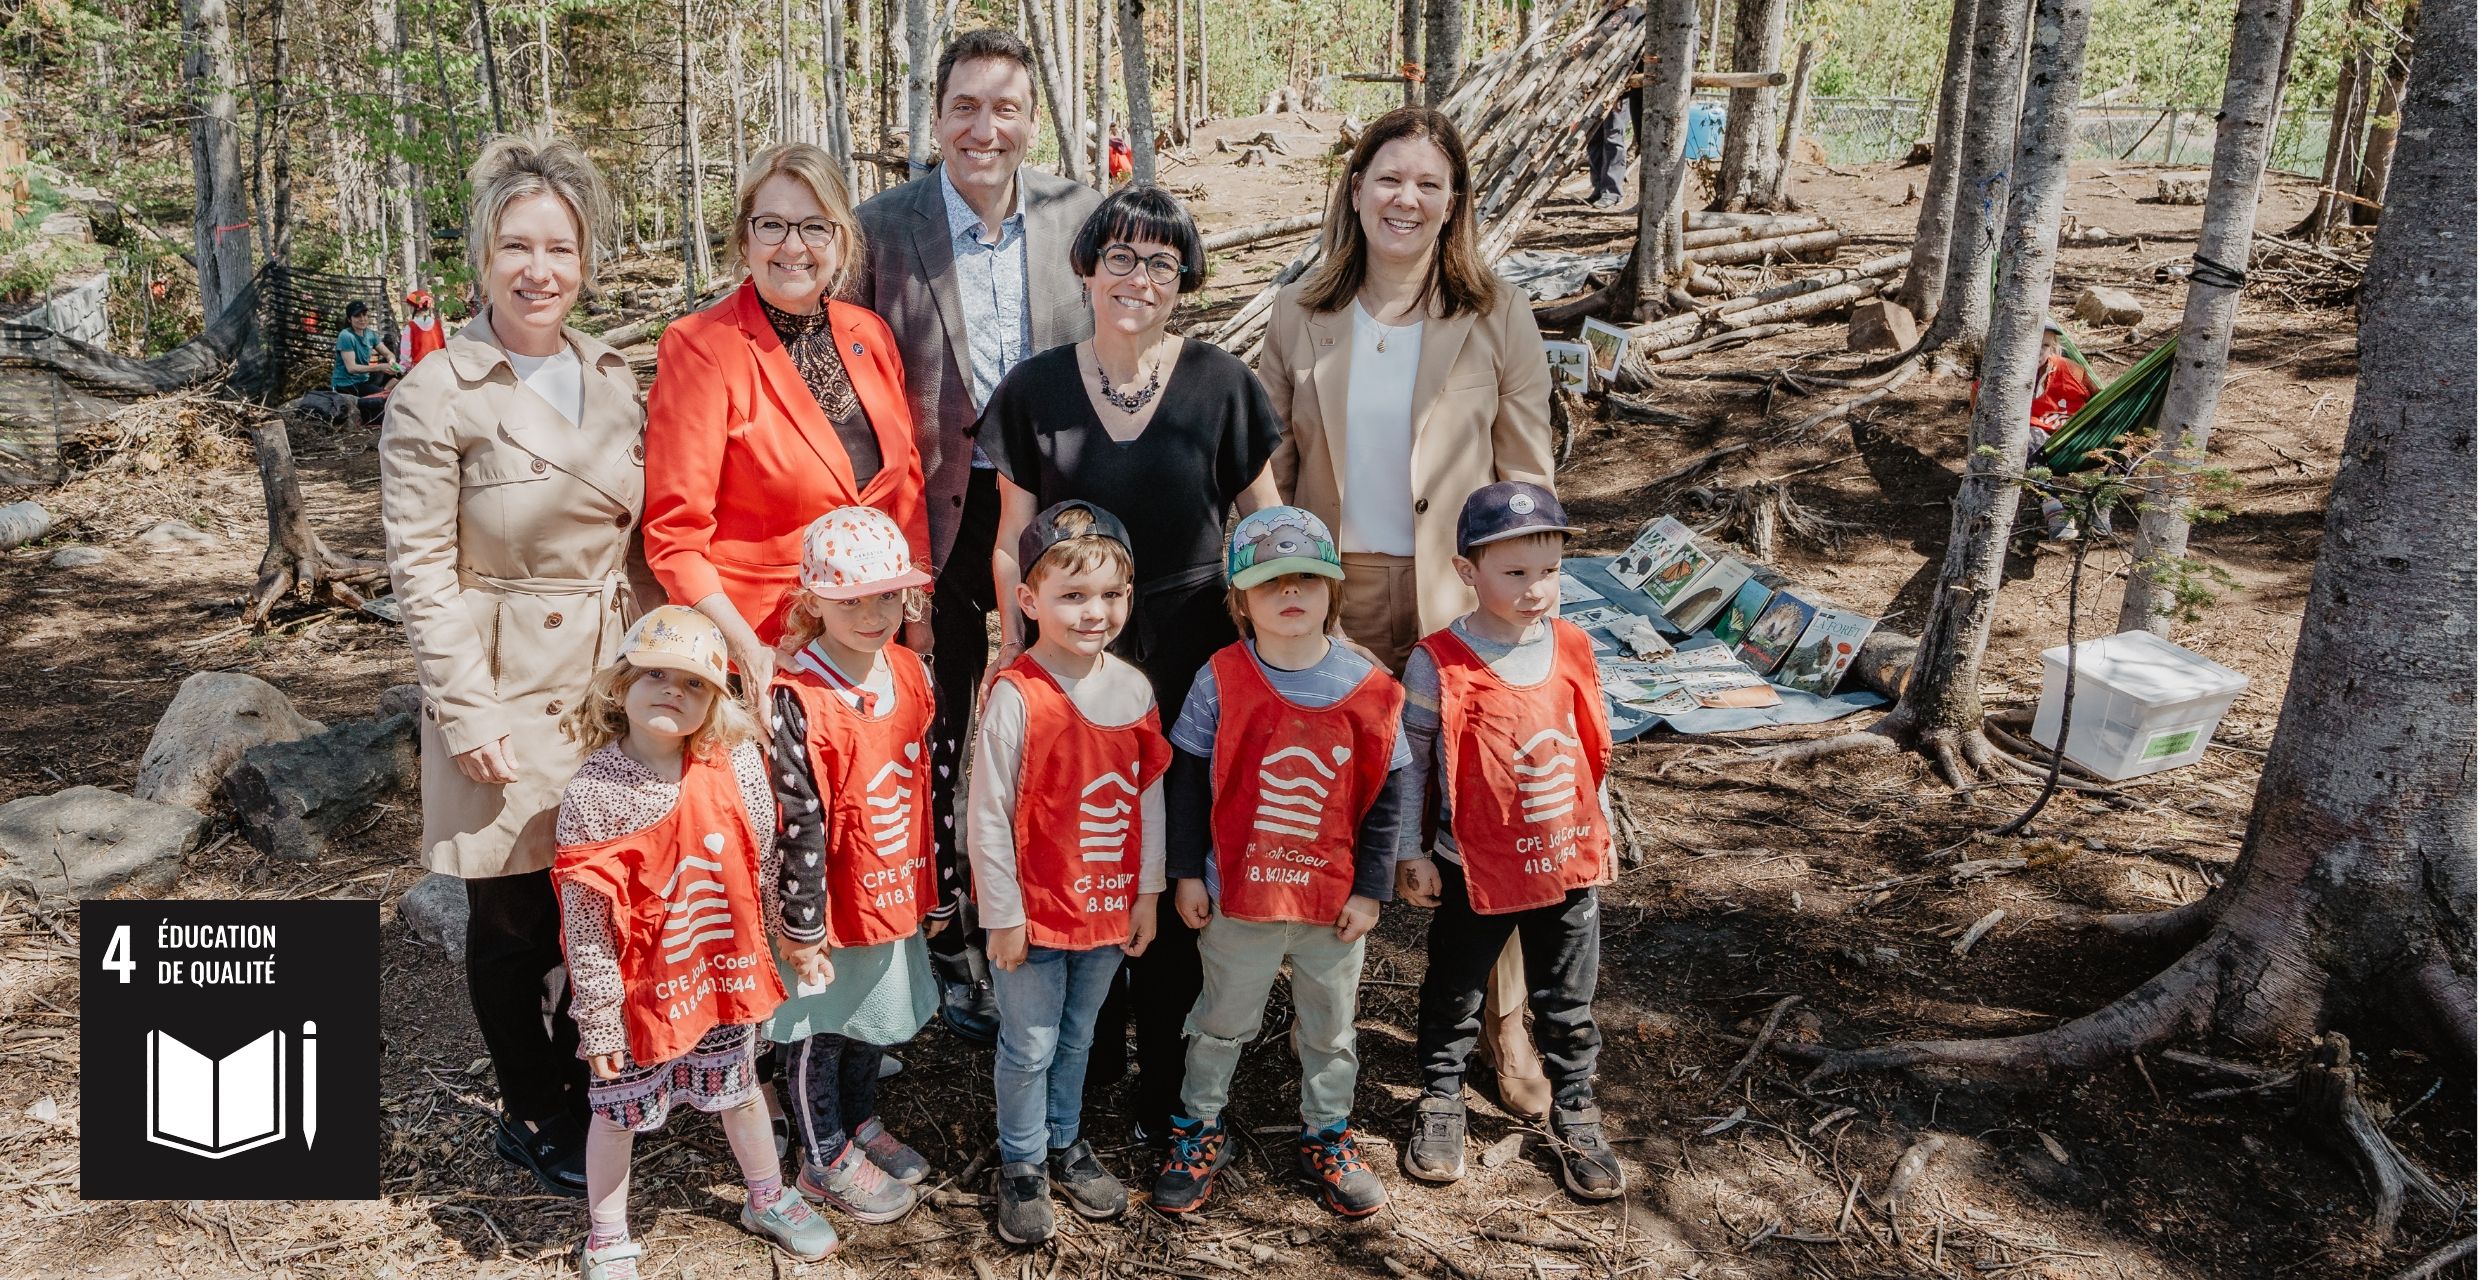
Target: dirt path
{"x": 1821, "y": 883}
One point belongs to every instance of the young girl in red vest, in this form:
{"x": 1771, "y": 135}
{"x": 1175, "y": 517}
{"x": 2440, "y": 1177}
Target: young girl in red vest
{"x": 1285, "y": 799}
{"x": 1504, "y": 710}
{"x": 1064, "y": 820}
{"x": 851, "y": 717}
{"x": 666, "y": 853}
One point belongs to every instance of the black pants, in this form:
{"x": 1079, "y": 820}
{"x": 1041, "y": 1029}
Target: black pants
{"x": 1606, "y": 149}
{"x": 960, "y": 648}
{"x": 1562, "y": 961}
{"x": 511, "y": 941}
{"x": 1155, "y": 991}
{"x": 834, "y": 1087}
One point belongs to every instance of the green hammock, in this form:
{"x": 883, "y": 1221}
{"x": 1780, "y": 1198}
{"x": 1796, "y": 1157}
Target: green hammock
{"x": 2130, "y": 403}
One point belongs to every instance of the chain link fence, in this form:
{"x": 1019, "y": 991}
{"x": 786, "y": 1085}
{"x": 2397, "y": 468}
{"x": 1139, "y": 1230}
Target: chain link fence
{"x": 1876, "y": 130}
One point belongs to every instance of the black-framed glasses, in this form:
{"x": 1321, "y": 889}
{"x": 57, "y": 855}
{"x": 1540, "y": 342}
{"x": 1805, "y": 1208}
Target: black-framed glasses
{"x": 1161, "y": 268}
{"x": 815, "y": 234}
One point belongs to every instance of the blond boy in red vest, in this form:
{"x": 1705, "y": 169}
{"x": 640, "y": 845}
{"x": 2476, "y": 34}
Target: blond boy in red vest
{"x": 1504, "y": 710}
{"x": 1064, "y": 819}
{"x": 1285, "y": 797}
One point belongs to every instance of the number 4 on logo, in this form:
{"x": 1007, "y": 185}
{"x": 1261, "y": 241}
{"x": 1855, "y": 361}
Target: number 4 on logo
{"x": 116, "y": 954}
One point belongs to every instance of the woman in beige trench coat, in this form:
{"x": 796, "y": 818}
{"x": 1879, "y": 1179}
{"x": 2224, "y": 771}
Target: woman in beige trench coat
{"x": 511, "y": 481}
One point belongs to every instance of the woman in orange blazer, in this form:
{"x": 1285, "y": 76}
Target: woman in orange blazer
{"x": 773, "y": 407}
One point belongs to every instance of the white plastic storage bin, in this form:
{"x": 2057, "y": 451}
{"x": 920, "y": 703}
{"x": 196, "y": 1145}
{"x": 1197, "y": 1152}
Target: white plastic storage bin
{"x": 2142, "y": 704}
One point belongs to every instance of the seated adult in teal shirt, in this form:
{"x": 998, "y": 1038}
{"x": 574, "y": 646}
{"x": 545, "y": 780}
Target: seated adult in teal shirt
{"x": 364, "y": 365}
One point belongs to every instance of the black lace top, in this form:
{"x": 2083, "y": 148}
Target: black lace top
{"x": 810, "y": 341}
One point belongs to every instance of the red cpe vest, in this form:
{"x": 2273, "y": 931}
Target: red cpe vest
{"x": 873, "y": 778}
{"x": 1079, "y": 826}
{"x": 1523, "y": 769}
{"x": 1291, "y": 785}
{"x": 686, "y": 916}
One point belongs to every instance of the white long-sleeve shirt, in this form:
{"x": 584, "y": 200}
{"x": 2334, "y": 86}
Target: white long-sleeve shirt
{"x": 1116, "y": 694}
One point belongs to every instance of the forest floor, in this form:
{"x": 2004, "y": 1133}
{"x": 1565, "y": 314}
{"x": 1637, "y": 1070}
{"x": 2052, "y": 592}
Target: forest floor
{"x": 1825, "y": 882}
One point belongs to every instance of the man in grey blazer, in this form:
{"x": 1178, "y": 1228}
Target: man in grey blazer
{"x": 968, "y": 265}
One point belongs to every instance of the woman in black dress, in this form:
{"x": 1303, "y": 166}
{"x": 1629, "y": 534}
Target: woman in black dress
{"x": 1169, "y": 435}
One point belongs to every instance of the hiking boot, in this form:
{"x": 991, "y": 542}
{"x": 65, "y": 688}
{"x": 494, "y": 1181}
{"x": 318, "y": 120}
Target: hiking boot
{"x": 1024, "y": 1215}
{"x": 856, "y": 1186}
{"x": 792, "y": 1225}
{"x": 1198, "y": 1149}
{"x": 895, "y": 1159}
{"x": 1331, "y": 1158}
{"x": 1436, "y": 1152}
{"x": 1587, "y": 1166}
{"x": 1087, "y": 1186}
{"x": 611, "y": 1262}
{"x": 553, "y": 1150}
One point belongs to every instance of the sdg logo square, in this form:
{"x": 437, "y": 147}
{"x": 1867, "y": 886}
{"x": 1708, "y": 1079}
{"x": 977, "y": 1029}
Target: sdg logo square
{"x": 230, "y": 1050}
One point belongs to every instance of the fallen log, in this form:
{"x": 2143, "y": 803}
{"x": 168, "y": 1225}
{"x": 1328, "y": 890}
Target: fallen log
{"x": 289, "y": 797}
{"x": 1257, "y": 231}
{"x": 1769, "y": 229}
{"x": 1674, "y": 330}
{"x": 1776, "y": 247}
{"x": 1727, "y": 338}
{"x": 1738, "y": 79}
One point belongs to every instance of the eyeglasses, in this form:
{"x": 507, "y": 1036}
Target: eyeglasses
{"x": 1161, "y": 268}
{"x": 817, "y": 235}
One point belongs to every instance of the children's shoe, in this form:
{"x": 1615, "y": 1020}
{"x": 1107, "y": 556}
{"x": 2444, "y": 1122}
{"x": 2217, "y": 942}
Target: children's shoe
{"x": 1198, "y": 1149}
{"x": 1024, "y": 1215}
{"x": 1436, "y": 1152}
{"x": 611, "y": 1262}
{"x": 1331, "y": 1158}
{"x": 792, "y": 1225}
{"x": 1089, "y": 1188}
{"x": 895, "y": 1159}
{"x": 554, "y": 1151}
{"x": 857, "y": 1187}
{"x": 1587, "y": 1165}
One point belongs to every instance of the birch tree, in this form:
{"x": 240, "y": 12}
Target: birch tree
{"x": 220, "y": 228}
{"x": 1662, "y": 166}
{"x": 1747, "y": 171}
{"x": 1140, "y": 89}
{"x": 1985, "y": 155}
{"x": 1925, "y": 278}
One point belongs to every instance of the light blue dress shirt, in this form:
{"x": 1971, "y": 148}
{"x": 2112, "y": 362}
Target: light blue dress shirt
{"x": 990, "y": 282}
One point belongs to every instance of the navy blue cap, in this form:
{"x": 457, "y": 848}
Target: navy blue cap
{"x": 1045, "y": 533}
{"x": 1508, "y": 509}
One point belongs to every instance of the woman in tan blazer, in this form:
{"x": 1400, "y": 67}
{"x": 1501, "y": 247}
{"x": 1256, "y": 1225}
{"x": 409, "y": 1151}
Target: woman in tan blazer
{"x": 511, "y": 478}
{"x": 1408, "y": 376}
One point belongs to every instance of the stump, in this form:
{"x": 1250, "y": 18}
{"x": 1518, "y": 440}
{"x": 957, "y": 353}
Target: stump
{"x": 290, "y": 797}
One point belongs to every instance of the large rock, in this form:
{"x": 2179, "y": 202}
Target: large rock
{"x": 2098, "y": 305}
{"x": 1881, "y": 324}
{"x": 85, "y": 842}
{"x": 215, "y": 717}
{"x": 23, "y": 522}
{"x": 436, "y": 910}
{"x": 289, "y": 797}
{"x": 400, "y": 700}
{"x": 78, "y": 557}
{"x": 2179, "y": 188}
{"x": 176, "y": 537}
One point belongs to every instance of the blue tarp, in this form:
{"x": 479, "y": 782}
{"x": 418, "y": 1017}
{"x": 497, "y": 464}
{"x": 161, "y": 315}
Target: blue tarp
{"x": 1705, "y": 131}
{"x": 1798, "y": 706}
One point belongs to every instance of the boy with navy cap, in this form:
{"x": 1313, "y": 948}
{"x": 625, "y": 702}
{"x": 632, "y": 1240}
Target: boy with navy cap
{"x": 1511, "y": 746}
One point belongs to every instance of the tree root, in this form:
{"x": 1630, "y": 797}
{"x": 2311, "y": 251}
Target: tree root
{"x": 2447, "y": 998}
{"x": 2180, "y": 926}
{"x": 2329, "y": 1095}
{"x": 297, "y": 559}
{"x": 1871, "y": 740}
{"x": 1887, "y": 387}
{"x": 2440, "y": 1260}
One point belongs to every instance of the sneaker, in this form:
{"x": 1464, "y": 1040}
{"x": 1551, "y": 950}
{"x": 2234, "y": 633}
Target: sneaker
{"x": 893, "y": 1158}
{"x": 792, "y": 1225}
{"x": 1332, "y": 1159}
{"x": 856, "y": 1187}
{"x": 1198, "y": 1149}
{"x": 1088, "y": 1187}
{"x": 1607, "y": 200}
{"x": 1587, "y": 1166}
{"x": 611, "y": 1262}
{"x": 1436, "y": 1152}
{"x": 553, "y": 1150}
{"x": 1024, "y": 1215}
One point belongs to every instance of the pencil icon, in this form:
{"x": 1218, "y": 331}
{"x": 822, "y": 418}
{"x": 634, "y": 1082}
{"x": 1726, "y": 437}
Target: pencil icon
{"x": 309, "y": 1084}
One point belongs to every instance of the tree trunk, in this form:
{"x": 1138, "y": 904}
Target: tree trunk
{"x": 297, "y": 561}
{"x": 921, "y": 39}
{"x": 400, "y": 171}
{"x": 1408, "y": 36}
{"x": 1081, "y": 75}
{"x": 1987, "y": 146}
{"x": 1927, "y": 277}
{"x": 221, "y": 226}
{"x": 2352, "y": 901}
{"x": 1102, "y": 95}
{"x": 2342, "y": 134}
{"x": 735, "y": 86}
{"x": 490, "y": 64}
{"x": 1442, "y": 48}
{"x": 1179, "y": 71}
{"x": 2259, "y": 42}
{"x": 1046, "y": 48}
{"x": 2387, "y": 122}
{"x": 784, "y": 119}
{"x": 692, "y": 237}
{"x": 279, "y": 207}
{"x": 838, "y": 133}
{"x": 1942, "y": 707}
{"x": 1795, "y": 115}
{"x": 1140, "y": 89}
{"x": 1747, "y": 172}
{"x": 1205, "y": 100}
{"x": 1662, "y": 167}
{"x": 542, "y": 86}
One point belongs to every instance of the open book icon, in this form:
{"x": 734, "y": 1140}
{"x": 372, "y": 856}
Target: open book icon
{"x": 214, "y": 1107}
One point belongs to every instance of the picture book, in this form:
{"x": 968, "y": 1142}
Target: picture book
{"x": 1606, "y": 342}
{"x": 1571, "y": 363}
{"x": 1671, "y": 579}
{"x": 1732, "y": 624}
{"x": 1658, "y": 543}
{"x": 1706, "y": 596}
{"x": 1572, "y": 590}
{"x": 1686, "y": 681}
{"x": 1729, "y": 689}
{"x": 1824, "y": 651}
{"x": 1776, "y": 630}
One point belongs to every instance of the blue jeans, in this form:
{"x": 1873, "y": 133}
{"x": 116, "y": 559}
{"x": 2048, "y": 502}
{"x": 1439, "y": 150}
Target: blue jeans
{"x": 1047, "y": 1008}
